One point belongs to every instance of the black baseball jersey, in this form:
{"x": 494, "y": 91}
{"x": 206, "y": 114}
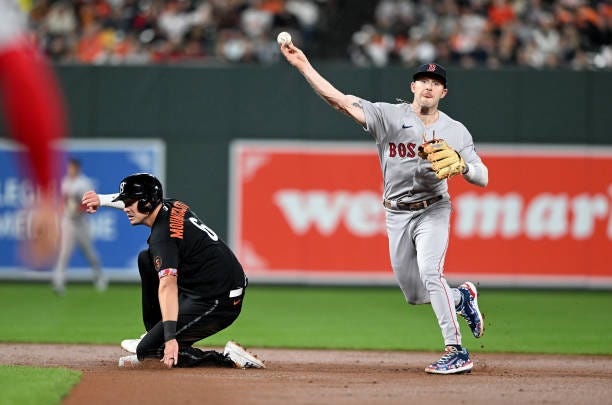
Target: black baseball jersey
{"x": 179, "y": 242}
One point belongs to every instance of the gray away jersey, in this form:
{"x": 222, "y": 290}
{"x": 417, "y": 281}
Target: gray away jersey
{"x": 72, "y": 191}
{"x": 398, "y": 133}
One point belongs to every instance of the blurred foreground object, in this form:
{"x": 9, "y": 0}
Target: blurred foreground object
{"x": 34, "y": 112}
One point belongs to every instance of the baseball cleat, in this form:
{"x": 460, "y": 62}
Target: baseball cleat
{"x": 241, "y": 357}
{"x": 101, "y": 283}
{"x": 130, "y": 361}
{"x": 452, "y": 361}
{"x": 130, "y": 345}
{"x": 60, "y": 291}
{"x": 468, "y": 308}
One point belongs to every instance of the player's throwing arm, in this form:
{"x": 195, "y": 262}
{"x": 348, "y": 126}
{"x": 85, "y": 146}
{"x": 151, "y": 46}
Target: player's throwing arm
{"x": 348, "y": 104}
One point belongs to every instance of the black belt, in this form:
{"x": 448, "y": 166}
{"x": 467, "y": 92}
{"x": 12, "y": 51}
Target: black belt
{"x": 411, "y": 206}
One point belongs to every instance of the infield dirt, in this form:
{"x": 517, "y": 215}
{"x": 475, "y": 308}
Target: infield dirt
{"x": 326, "y": 377}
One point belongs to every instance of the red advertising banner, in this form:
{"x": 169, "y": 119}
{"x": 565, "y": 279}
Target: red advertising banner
{"x": 311, "y": 211}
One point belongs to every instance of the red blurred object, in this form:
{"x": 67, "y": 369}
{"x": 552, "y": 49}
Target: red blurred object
{"x": 33, "y": 107}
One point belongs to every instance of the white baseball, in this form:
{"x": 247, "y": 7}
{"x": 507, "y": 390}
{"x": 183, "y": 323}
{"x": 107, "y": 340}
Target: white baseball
{"x": 284, "y": 38}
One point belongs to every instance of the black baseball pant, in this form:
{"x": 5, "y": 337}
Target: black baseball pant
{"x": 197, "y": 319}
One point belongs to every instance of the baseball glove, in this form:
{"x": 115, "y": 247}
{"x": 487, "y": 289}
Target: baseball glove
{"x": 445, "y": 161}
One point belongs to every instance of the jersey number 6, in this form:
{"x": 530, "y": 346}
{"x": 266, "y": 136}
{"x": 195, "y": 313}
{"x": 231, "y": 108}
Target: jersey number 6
{"x": 204, "y": 228}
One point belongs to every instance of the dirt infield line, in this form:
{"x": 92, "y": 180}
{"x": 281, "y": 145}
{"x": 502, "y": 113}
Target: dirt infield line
{"x": 326, "y": 377}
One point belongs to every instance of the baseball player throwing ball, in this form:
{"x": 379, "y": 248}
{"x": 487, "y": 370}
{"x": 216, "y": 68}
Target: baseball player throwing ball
{"x": 192, "y": 284}
{"x": 419, "y": 148}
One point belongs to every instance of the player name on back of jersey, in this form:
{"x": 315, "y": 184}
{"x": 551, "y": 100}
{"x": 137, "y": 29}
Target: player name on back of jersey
{"x": 177, "y": 218}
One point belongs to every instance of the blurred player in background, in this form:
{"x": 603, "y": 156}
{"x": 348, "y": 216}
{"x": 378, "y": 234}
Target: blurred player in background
{"x": 75, "y": 228}
{"x": 33, "y": 110}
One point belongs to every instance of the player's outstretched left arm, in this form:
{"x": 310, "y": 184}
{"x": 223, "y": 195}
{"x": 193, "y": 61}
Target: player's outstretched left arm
{"x": 446, "y": 162}
{"x": 476, "y": 173}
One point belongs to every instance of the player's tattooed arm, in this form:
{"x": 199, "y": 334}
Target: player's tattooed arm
{"x": 355, "y": 110}
{"x": 347, "y": 104}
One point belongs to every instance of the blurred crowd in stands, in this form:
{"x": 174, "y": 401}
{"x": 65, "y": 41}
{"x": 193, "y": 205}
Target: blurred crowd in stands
{"x": 169, "y": 31}
{"x": 469, "y": 33}
{"x": 536, "y": 33}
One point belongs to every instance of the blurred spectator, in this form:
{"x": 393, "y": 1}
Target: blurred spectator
{"x": 233, "y": 46}
{"x": 90, "y": 46}
{"x": 256, "y": 21}
{"x": 371, "y": 47}
{"x": 501, "y": 13}
{"x": 545, "y": 37}
{"x": 417, "y": 49}
{"x": 507, "y": 46}
{"x": 307, "y": 13}
{"x": 60, "y": 19}
{"x": 176, "y": 19}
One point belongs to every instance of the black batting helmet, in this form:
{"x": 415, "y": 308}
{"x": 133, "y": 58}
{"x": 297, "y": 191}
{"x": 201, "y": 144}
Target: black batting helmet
{"x": 142, "y": 187}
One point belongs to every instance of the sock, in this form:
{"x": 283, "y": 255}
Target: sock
{"x": 458, "y": 299}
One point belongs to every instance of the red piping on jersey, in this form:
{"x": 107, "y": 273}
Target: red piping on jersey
{"x": 452, "y": 307}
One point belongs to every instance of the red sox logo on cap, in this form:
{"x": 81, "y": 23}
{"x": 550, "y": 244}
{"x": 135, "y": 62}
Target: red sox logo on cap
{"x": 431, "y": 70}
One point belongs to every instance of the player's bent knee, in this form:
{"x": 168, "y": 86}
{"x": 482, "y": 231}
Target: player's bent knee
{"x": 432, "y": 283}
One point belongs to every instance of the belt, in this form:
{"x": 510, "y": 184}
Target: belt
{"x": 411, "y": 206}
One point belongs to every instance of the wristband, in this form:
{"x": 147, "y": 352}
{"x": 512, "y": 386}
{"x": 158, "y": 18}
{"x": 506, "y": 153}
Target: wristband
{"x": 169, "y": 330}
{"x": 106, "y": 200}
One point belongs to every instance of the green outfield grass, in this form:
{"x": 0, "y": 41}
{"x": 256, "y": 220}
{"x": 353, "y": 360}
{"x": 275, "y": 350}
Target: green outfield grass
{"x": 529, "y": 321}
{"x": 566, "y": 322}
{"x": 34, "y": 386}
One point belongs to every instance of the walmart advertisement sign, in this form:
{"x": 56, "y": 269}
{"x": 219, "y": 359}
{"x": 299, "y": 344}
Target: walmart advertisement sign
{"x": 105, "y": 162}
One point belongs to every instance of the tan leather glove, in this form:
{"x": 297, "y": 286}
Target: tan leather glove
{"x": 445, "y": 161}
